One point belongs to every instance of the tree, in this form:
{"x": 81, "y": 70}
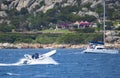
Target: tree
{"x": 6, "y": 28}
{"x": 24, "y": 11}
{"x": 88, "y": 18}
{"x": 99, "y": 9}
{"x": 116, "y": 14}
{"x": 6, "y": 2}
{"x": 12, "y": 12}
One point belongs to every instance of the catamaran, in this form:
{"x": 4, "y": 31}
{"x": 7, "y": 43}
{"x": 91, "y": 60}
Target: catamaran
{"x": 99, "y": 47}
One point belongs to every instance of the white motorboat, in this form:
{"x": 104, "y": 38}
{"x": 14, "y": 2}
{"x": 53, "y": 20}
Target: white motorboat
{"x": 43, "y": 59}
{"x": 28, "y": 60}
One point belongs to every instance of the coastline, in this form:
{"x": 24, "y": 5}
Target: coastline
{"x": 36, "y": 46}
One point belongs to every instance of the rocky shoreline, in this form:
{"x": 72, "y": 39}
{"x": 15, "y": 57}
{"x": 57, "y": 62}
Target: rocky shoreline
{"x": 36, "y": 45}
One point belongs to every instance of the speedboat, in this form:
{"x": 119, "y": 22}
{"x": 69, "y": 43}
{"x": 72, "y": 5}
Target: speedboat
{"x": 28, "y": 60}
{"x": 43, "y": 59}
{"x": 98, "y": 47}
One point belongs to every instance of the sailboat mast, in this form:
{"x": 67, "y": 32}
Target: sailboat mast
{"x": 104, "y": 22}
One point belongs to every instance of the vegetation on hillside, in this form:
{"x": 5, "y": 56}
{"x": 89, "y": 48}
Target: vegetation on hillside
{"x": 49, "y": 38}
{"x": 25, "y": 21}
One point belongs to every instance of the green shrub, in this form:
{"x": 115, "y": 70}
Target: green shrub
{"x": 44, "y": 39}
{"x": 6, "y": 28}
{"x": 85, "y": 30}
{"x": 15, "y": 38}
{"x": 70, "y": 39}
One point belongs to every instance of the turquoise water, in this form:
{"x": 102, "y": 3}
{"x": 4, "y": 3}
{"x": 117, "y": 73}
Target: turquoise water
{"x": 72, "y": 64}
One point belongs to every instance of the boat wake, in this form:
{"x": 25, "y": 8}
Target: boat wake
{"x": 47, "y": 60}
{"x": 12, "y": 74}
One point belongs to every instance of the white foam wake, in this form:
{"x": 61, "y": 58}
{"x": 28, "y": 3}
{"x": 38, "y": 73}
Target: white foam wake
{"x": 47, "y": 60}
{"x": 12, "y": 74}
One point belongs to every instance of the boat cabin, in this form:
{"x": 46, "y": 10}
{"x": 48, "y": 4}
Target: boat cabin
{"x": 96, "y": 45}
{"x": 99, "y": 47}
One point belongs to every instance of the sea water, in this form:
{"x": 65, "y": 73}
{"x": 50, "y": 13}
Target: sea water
{"x": 72, "y": 64}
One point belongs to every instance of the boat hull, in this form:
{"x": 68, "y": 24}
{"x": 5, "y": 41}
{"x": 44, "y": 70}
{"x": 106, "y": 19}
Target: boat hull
{"x": 107, "y": 51}
{"x": 47, "y": 60}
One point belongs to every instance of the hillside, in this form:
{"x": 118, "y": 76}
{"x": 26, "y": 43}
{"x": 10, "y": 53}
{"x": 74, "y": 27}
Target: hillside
{"x": 80, "y": 20}
{"x": 27, "y": 15}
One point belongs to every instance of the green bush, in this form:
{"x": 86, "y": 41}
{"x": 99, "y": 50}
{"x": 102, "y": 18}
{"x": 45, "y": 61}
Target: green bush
{"x": 6, "y": 28}
{"x": 44, "y": 39}
{"x": 85, "y": 30}
{"x": 15, "y": 38}
{"x": 70, "y": 39}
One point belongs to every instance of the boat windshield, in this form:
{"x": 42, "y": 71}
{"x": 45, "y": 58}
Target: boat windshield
{"x": 100, "y": 48}
{"x": 96, "y": 43}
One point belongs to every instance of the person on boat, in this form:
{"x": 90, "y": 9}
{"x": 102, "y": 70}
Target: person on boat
{"x": 90, "y": 46}
{"x": 35, "y": 56}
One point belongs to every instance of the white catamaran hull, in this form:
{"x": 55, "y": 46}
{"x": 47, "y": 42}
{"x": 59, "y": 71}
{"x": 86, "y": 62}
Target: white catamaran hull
{"x": 107, "y": 51}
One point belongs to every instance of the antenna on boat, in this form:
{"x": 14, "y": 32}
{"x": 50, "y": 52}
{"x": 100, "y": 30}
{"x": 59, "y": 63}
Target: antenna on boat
{"x": 104, "y": 21}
